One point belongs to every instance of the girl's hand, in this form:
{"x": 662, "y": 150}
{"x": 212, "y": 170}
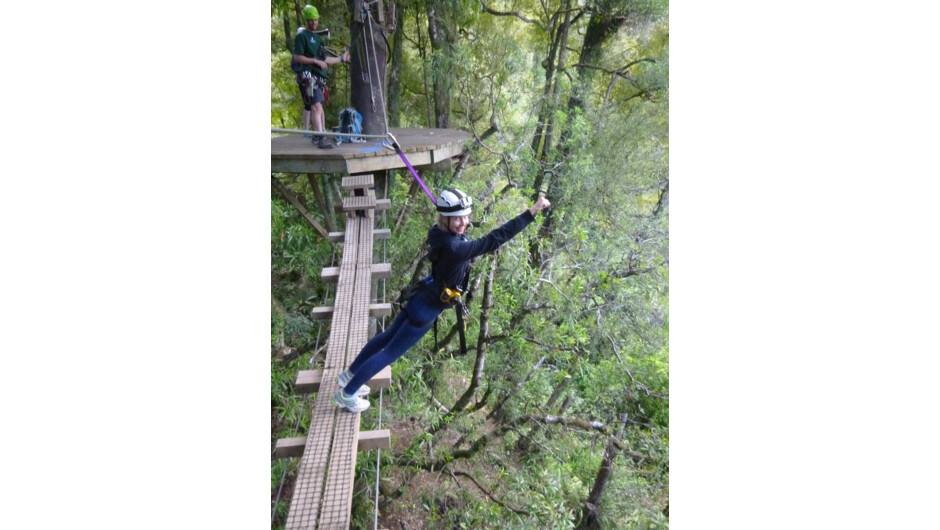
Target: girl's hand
{"x": 539, "y": 205}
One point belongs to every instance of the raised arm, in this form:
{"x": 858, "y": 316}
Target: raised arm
{"x": 493, "y": 240}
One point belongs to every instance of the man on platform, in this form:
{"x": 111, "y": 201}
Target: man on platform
{"x": 310, "y": 54}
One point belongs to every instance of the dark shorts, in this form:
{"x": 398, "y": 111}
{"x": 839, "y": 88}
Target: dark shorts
{"x": 304, "y": 84}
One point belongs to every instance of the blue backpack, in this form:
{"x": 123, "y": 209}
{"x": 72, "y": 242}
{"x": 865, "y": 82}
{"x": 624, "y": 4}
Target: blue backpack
{"x": 350, "y": 122}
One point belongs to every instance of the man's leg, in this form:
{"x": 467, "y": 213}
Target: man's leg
{"x": 322, "y": 118}
{"x": 317, "y": 117}
{"x": 319, "y": 121}
{"x": 302, "y": 84}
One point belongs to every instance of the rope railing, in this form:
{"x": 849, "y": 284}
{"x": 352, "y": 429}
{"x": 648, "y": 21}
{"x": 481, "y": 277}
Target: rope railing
{"x": 378, "y": 454}
{"x": 303, "y": 404}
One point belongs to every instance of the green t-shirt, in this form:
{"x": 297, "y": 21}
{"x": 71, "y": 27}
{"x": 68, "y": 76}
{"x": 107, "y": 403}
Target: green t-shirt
{"x": 308, "y": 44}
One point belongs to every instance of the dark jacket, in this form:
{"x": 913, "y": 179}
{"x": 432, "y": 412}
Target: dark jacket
{"x": 451, "y": 253}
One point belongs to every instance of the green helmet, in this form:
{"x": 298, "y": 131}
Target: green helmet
{"x": 310, "y": 13}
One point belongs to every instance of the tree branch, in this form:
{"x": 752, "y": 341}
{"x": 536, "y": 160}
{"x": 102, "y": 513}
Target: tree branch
{"x": 591, "y": 426}
{"x": 619, "y": 71}
{"x": 488, "y": 494}
{"x": 499, "y": 406}
{"x": 516, "y": 14}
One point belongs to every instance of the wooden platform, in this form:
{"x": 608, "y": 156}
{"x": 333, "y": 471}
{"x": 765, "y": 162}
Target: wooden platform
{"x": 293, "y": 153}
{"x": 322, "y": 496}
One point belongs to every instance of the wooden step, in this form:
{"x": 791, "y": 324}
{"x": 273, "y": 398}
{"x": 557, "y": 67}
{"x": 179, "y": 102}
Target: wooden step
{"x": 357, "y": 181}
{"x": 368, "y": 440}
{"x": 380, "y": 204}
{"x": 359, "y": 202}
{"x": 379, "y": 271}
{"x": 375, "y": 310}
{"x": 377, "y": 234}
{"x": 308, "y": 381}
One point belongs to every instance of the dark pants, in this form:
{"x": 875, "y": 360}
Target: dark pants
{"x": 406, "y": 330}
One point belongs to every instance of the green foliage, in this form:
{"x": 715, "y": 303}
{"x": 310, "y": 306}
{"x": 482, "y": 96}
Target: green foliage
{"x": 596, "y": 307}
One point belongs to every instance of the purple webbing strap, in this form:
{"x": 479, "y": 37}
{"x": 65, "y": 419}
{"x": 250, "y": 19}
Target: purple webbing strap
{"x": 415, "y": 174}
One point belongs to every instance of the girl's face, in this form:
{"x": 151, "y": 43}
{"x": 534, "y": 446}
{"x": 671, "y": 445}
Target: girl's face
{"x": 458, "y": 224}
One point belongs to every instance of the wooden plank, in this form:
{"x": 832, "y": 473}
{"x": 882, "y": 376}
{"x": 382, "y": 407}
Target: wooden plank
{"x": 341, "y": 473}
{"x": 322, "y": 313}
{"x": 423, "y": 147}
{"x": 380, "y": 310}
{"x": 383, "y": 379}
{"x": 377, "y": 234}
{"x": 308, "y": 381}
{"x": 379, "y": 271}
{"x": 377, "y": 439}
{"x": 359, "y": 202}
{"x": 357, "y": 181}
{"x": 288, "y": 447}
{"x": 363, "y": 202}
{"x": 321, "y": 486}
{"x": 291, "y": 198}
{"x": 308, "y": 487}
{"x": 368, "y": 440}
{"x": 328, "y": 465}
{"x": 375, "y": 310}
{"x": 338, "y": 492}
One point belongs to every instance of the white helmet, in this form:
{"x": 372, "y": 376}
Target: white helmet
{"x": 454, "y": 203}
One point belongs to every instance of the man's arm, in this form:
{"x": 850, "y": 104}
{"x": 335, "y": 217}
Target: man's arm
{"x": 344, "y": 58}
{"x": 303, "y": 59}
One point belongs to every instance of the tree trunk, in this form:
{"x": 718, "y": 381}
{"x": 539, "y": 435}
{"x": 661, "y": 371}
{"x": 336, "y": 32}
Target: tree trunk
{"x": 288, "y": 34}
{"x": 543, "y": 104}
{"x": 601, "y": 26}
{"x": 394, "y": 76}
{"x": 590, "y": 510}
{"x": 328, "y": 196}
{"x": 550, "y": 192}
{"x": 422, "y": 53}
{"x": 560, "y": 67}
{"x": 321, "y": 201}
{"x": 442, "y": 58}
{"x": 558, "y": 390}
{"x": 367, "y": 67}
{"x": 299, "y": 14}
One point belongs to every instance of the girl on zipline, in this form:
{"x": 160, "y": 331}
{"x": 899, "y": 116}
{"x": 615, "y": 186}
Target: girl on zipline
{"x": 450, "y": 252}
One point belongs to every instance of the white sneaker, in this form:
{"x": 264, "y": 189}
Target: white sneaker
{"x": 343, "y": 379}
{"x": 350, "y": 403}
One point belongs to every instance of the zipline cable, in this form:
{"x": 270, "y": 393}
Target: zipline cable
{"x": 392, "y": 141}
{"x": 378, "y": 454}
{"x": 326, "y": 133}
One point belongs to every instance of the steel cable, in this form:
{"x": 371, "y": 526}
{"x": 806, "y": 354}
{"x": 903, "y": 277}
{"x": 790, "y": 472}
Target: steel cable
{"x": 303, "y": 404}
